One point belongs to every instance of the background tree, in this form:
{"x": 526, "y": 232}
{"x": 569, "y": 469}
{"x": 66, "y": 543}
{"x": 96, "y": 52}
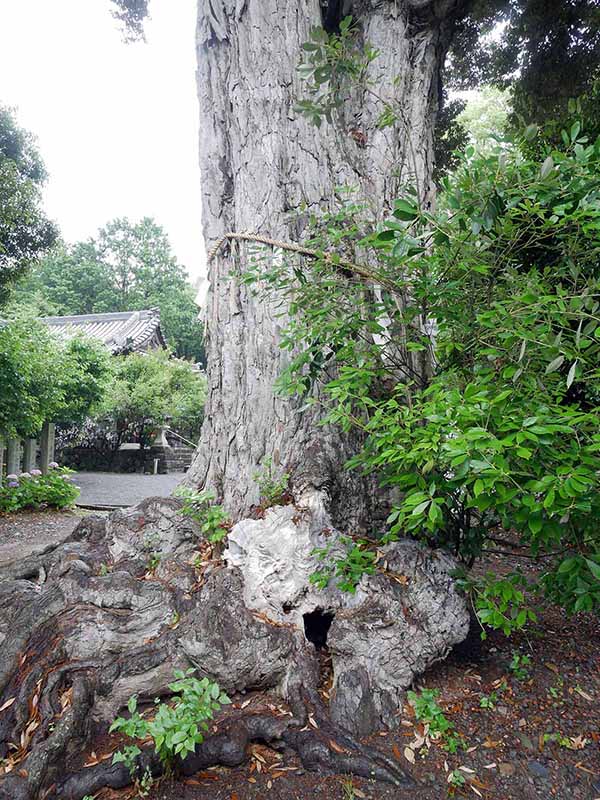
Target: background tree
{"x": 548, "y": 51}
{"x": 148, "y": 390}
{"x": 485, "y": 116}
{"x": 69, "y": 279}
{"x": 42, "y": 380}
{"x": 25, "y": 231}
{"x": 128, "y": 266}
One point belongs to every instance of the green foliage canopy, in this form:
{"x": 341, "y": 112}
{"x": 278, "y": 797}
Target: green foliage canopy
{"x": 151, "y": 389}
{"x": 25, "y": 232}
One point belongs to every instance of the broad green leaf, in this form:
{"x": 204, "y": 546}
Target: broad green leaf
{"x": 571, "y": 375}
{"x": 405, "y": 211}
{"x": 530, "y": 132}
{"x": 547, "y": 167}
{"x": 594, "y": 568}
{"x": 555, "y": 364}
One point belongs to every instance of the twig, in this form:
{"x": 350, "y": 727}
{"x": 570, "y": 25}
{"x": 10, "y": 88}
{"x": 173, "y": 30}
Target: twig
{"x": 338, "y": 263}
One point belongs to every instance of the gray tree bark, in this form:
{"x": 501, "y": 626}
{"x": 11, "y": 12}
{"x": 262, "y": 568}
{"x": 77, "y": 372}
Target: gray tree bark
{"x": 259, "y": 161}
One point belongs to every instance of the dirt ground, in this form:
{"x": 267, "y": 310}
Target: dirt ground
{"x": 27, "y": 533}
{"x": 506, "y": 757}
{"x": 541, "y": 738}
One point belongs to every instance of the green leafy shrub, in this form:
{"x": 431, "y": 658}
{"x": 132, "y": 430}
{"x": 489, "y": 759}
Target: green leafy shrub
{"x": 212, "y": 519}
{"x": 175, "y": 729}
{"x": 34, "y": 490}
{"x": 29, "y": 354}
{"x": 472, "y": 368}
{"x": 150, "y": 389}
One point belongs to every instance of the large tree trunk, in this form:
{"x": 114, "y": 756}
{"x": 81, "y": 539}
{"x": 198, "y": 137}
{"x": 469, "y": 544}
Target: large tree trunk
{"x": 260, "y": 160}
{"x": 86, "y": 624}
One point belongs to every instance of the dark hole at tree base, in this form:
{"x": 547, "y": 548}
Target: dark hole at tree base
{"x": 316, "y": 627}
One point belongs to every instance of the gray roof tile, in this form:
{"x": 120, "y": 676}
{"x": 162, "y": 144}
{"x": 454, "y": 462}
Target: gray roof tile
{"x": 120, "y": 331}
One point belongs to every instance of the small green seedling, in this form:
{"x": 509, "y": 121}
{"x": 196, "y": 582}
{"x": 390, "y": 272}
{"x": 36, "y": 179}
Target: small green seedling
{"x": 519, "y": 666}
{"x": 212, "y": 519}
{"x": 153, "y": 562}
{"x": 272, "y": 484}
{"x": 428, "y": 710}
{"x": 490, "y": 700}
{"x": 358, "y": 560}
{"x": 456, "y": 779}
{"x": 558, "y": 738}
{"x": 176, "y": 729}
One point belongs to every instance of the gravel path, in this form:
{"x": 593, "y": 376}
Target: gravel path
{"x": 31, "y": 532}
{"x": 111, "y": 489}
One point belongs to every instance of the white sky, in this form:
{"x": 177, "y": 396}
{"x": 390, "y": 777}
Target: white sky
{"x": 116, "y": 123}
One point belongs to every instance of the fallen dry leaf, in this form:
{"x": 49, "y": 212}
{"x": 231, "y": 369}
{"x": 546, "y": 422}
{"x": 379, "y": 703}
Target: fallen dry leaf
{"x": 8, "y": 703}
{"x": 580, "y": 766}
{"x": 210, "y": 776}
{"x": 577, "y": 742}
{"x": 409, "y": 755}
{"x": 490, "y": 743}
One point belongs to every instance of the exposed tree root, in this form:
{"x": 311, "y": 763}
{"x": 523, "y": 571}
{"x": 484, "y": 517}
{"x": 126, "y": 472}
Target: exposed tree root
{"x": 230, "y": 748}
{"x": 85, "y": 625}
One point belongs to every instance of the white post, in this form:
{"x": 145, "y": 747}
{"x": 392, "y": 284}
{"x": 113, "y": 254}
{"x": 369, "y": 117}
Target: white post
{"x": 47, "y": 446}
{"x": 13, "y": 457}
{"x": 29, "y": 454}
